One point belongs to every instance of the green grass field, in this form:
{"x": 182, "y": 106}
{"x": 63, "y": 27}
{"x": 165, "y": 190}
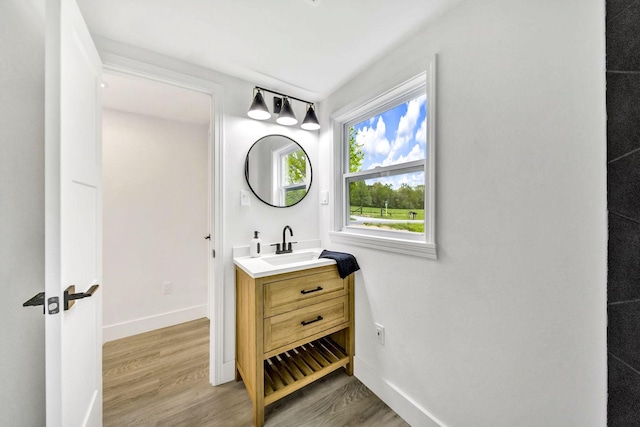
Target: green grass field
{"x": 397, "y": 214}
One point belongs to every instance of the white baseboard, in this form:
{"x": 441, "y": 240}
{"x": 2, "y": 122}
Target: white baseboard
{"x": 146, "y": 324}
{"x": 402, "y": 404}
{"x": 228, "y": 371}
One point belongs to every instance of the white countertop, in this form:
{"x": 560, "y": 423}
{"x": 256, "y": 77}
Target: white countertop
{"x": 270, "y": 264}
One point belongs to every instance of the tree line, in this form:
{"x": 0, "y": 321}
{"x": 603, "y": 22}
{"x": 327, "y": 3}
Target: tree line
{"x": 380, "y": 195}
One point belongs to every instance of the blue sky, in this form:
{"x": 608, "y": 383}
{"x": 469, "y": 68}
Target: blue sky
{"x": 395, "y": 136}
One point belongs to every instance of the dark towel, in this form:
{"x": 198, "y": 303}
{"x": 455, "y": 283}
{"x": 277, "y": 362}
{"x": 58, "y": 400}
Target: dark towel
{"x": 347, "y": 263}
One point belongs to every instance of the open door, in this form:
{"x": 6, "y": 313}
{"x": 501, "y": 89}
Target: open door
{"x": 73, "y": 220}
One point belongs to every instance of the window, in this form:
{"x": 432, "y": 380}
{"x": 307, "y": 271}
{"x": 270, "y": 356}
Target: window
{"x": 291, "y": 174}
{"x": 384, "y": 177}
{"x": 385, "y": 170}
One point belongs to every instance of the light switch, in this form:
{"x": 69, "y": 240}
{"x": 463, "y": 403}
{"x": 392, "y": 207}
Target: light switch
{"x": 244, "y": 198}
{"x": 324, "y": 197}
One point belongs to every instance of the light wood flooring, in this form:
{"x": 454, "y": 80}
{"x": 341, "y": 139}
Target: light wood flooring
{"x": 161, "y": 378}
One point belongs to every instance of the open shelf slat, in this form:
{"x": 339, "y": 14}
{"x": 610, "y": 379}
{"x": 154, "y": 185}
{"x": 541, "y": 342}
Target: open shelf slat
{"x": 333, "y": 348}
{"x": 327, "y": 354}
{"x": 291, "y": 366}
{"x": 300, "y": 363}
{"x": 287, "y": 372}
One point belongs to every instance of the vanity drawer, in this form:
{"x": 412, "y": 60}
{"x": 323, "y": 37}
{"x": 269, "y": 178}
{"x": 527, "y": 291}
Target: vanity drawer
{"x": 295, "y": 325}
{"x": 291, "y": 294}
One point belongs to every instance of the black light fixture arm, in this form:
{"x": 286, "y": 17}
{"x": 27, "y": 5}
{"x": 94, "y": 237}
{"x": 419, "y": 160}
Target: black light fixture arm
{"x": 284, "y": 96}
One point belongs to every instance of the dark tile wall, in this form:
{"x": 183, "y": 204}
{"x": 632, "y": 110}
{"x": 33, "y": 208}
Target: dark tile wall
{"x": 623, "y": 176}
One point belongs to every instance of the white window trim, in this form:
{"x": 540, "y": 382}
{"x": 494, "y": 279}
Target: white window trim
{"x": 279, "y": 171}
{"x": 392, "y": 241}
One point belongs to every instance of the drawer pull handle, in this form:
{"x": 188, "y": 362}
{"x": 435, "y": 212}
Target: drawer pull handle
{"x": 303, "y": 292}
{"x": 305, "y": 323}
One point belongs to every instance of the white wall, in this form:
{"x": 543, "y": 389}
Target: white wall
{"x": 508, "y": 326}
{"x": 22, "y": 400}
{"x": 155, "y": 174}
{"x": 239, "y": 133}
{"x": 240, "y": 221}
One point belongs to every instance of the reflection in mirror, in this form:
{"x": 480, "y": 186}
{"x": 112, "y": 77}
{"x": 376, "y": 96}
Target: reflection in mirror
{"x": 278, "y": 171}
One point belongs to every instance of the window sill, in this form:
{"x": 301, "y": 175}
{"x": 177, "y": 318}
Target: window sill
{"x": 406, "y": 247}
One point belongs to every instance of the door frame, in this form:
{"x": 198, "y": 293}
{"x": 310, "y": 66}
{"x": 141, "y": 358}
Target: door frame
{"x": 116, "y": 64}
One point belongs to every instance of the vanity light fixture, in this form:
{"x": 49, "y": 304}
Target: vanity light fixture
{"x": 310, "y": 121}
{"x": 258, "y": 109}
{"x": 286, "y": 116}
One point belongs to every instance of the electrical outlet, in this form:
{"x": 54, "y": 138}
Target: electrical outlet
{"x": 380, "y": 333}
{"x": 166, "y": 288}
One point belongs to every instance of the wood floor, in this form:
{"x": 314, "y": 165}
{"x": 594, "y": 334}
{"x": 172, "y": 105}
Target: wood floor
{"x": 161, "y": 378}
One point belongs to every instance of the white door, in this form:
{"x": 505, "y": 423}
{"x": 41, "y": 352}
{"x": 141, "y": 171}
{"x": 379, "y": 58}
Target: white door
{"x": 73, "y": 219}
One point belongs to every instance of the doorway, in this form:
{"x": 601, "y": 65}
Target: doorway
{"x": 156, "y": 204}
{"x": 219, "y": 371}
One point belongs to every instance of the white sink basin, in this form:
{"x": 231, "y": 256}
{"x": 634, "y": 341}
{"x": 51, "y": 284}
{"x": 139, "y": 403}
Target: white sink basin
{"x": 293, "y": 257}
{"x": 271, "y": 264}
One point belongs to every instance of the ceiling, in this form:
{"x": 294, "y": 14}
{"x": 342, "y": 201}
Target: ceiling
{"x": 155, "y": 99}
{"x": 305, "y": 48}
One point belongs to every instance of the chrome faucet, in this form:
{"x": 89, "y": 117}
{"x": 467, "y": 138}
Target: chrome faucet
{"x": 286, "y": 247}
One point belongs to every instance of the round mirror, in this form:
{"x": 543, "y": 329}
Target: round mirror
{"x": 278, "y": 171}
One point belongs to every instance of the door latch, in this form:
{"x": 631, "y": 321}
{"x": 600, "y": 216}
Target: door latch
{"x": 53, "y": 305}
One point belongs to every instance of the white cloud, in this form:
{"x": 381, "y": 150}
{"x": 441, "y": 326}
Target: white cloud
{"x": 416, "y": 153}
{"x": 373, "y": 139}
{"x": 421, "y": 133}
{"x": 406, "y": 129}
{"x": 408, "y": 122}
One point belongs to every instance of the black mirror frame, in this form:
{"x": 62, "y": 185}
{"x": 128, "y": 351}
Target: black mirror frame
{"x": 246, "y": 171}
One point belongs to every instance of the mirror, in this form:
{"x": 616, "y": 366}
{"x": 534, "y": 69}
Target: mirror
{"x": 278, "y": 171}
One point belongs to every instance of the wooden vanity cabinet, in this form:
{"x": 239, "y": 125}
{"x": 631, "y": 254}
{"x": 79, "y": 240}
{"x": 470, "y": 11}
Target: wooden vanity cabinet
{"x": 291, "y": 329}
